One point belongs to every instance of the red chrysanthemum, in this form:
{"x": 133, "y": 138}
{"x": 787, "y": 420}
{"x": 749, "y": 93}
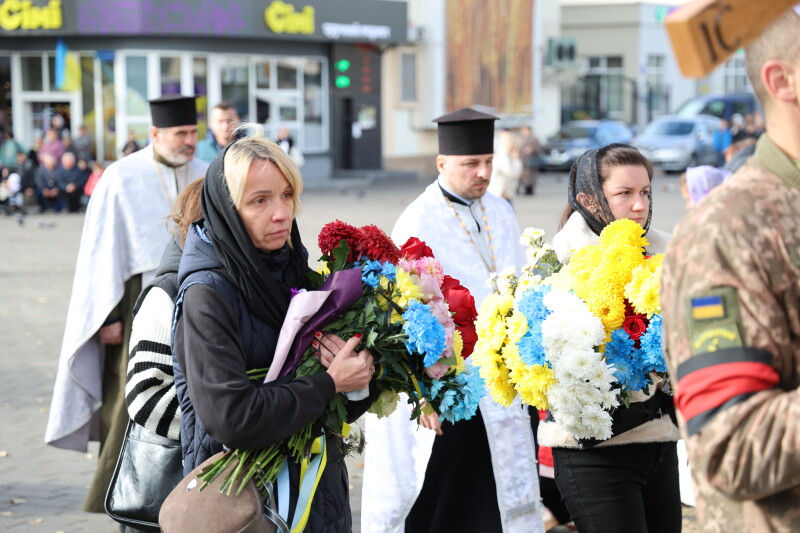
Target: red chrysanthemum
{"x": 376, "y": 245}
{"x": 332, "y": 235}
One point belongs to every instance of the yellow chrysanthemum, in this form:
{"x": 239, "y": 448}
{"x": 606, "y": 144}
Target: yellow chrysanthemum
{"x": 323, "y": 269}
{"x": 643, "y": 290}
{"x": 625, "y": 232}
{"x": 533, "y": 383}
{"x": 516, "y": 327}
{"x": 654, "y": 261}
{"x": 406, "y": 289}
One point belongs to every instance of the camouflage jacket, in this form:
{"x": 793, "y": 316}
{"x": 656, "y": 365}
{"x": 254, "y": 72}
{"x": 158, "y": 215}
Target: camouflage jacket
{"x": 731, "y": 298}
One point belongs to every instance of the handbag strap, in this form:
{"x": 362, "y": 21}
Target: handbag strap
{"x": 310, "y": 475}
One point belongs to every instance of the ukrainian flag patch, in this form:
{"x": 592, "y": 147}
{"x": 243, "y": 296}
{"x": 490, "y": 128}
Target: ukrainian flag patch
{"x": 708, "y": 307}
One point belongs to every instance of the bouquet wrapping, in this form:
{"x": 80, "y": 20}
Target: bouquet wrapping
{"x": 579, "y": 339}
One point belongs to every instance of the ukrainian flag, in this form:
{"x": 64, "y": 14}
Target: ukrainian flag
{"x": 68, "y": 68}
{"x": 706, "y": 307}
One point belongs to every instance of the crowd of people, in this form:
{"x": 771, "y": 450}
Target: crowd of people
{"x": 176, "y": 356}
{"x": 57, "y": 173}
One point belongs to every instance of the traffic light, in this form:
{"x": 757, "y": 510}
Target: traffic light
{"x": 342, "y": 80}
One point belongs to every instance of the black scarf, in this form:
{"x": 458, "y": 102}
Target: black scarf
{"x": 265, "y": 279}
{"x": 584, "y": 181}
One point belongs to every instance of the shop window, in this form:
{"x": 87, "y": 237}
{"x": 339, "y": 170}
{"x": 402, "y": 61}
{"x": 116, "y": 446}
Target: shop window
{"x": 200, "y": 69}
{"x": 136, "y": 97}
{"x": 263, "y": 109}
{"x": 287, "y": 74}
{"x": 312, "y": 104}
{"x": 87, "y": 95}
{"x": 32, "y": 78}
{"x": 51, "y": 71}
{"x": 170, "y": 75}
{"x": 408, "y": 77}
{"x": 234, "y": 78}
{"x": 109, "y": 107}
{"x": 263, "y": 72}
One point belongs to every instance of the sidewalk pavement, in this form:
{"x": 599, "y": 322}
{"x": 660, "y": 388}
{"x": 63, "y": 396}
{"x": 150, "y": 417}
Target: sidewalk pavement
{"x": 41, "y": 487}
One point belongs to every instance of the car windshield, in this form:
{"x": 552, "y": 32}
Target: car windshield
{"x": 576, "y": 132}
{"x": 669, "y": 127}
{"x": 691, "y": 108}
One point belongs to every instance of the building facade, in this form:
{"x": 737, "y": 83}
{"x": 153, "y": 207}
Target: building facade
{"x": 312, "y": 66}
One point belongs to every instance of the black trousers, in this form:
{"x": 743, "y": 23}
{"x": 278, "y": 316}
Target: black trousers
{"x": 632, "y": 488}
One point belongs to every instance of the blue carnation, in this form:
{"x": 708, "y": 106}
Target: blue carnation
{"x": 462, "y": 404}
{"x": 652, "y": 345}
{"x": 531, "y": 347}
{"x": 371, "y": 272}
{"x": 425, "y": 335}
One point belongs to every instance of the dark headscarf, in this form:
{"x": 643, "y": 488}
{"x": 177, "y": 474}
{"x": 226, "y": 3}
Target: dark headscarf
{"x": 584, "y": 179}
{"x": 264, "y": 278}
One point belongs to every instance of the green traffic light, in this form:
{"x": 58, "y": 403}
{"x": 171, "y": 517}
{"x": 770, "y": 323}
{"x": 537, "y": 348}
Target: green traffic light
{"x": 342, "y": 82}
{"x": 343, "y": 65}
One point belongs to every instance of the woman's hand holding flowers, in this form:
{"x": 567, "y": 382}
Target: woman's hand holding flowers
{"x": 431, "y": 422}
{"x": 350, "y": 371}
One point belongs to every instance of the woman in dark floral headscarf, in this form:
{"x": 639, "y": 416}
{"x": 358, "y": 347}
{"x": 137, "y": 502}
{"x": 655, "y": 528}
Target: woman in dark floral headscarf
{"x": 628, "y": 483}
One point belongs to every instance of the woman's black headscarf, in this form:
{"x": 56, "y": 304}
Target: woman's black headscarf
{"x": 265, "y": 279}
{"x": 585, "y": 183}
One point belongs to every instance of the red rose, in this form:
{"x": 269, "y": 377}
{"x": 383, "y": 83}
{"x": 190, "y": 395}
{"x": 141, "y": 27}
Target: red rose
{"x": 462, "y": 305}
{"x": 635, "y": 326}
{"x": 376, "y": 245}
{"x": 332, "y": 235}
{"x": 415, "y": 249}
{"x": 470, "y": 337}
{"x": 459, "y": 300}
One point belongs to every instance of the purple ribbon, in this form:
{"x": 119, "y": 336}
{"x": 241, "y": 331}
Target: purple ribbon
{"x": 346, "y": 289}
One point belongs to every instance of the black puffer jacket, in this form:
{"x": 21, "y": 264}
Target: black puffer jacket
{"x": 216, "y": 340}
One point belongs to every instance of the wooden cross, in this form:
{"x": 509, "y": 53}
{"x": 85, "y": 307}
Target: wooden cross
{"x": 704, "y": 33}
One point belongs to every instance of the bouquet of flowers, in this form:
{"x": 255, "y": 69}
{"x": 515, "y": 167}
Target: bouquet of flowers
{"x": 579, "y": 339}
{"x": 417, "y": 323}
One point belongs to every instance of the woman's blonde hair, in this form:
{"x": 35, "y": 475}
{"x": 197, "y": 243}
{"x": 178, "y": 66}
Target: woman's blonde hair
{"x": 187, "y": 209}
{"x": 252, "y": 146}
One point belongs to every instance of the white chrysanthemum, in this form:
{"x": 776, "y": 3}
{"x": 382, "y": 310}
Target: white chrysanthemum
{"x": 532, "y": 237}
{"x": 595, "y": 423}
{"x": 507, "y": 281}
{"x": 491, "y": 281}
{"x": 579, "y": 365}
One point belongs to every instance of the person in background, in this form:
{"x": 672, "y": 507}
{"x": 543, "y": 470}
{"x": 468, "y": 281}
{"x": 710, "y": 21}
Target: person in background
{"x": 94, "y": 177}
{"x": 506, "y": 167}
{"x": 697, "y": 182}
{"x": 530, "y": 151}
{"x": 285, "y": 140}
{"x": 730, "y": 290}
{"x": 721, "y": 140}
{"x": 51, "y": 145}
{"x": 131, "y": 146}
{"x": 221, "y": 127}
{"x": 27, "y": 167}
{"x": 10, "y": 150}
{"x": 73, "y": 179}
{"x": 122, "y": 243}
{"x": 49, "y": 185}
{"x": 83, "y": 144}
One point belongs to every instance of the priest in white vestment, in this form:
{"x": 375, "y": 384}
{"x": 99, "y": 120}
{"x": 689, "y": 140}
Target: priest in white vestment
{"x": 124, "y": 234}
{"x": 476, "y": 475}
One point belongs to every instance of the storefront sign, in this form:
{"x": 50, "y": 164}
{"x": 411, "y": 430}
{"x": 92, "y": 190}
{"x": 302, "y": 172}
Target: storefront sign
{"x": 282, "y": 18}
{"x": 375, "y": 21}
{"x": 22, "y": 15}
{"x": 356, "y": 31}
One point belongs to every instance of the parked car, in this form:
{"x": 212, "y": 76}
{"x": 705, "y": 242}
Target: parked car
{"x": 719, "y": 105}
{"x": 577, "y": 136}
{"x": 674, "y": 143}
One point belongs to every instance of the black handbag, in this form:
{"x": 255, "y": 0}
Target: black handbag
{"x": 148, "y": 468}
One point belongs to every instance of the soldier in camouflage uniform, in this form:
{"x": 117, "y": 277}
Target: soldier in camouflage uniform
{"x": 731, "y": 298}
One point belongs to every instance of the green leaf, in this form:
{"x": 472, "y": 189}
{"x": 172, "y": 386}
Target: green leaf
{"x": 449, "y": 361}
{"x": 340, "y": 254}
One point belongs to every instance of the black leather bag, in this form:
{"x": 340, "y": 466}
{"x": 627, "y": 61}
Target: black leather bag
{"x": 148, "y": 468}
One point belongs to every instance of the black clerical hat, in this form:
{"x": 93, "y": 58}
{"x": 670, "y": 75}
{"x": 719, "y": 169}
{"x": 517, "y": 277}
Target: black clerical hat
{"x": 173, "y": 110}
{"x": 466, "y": 132}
